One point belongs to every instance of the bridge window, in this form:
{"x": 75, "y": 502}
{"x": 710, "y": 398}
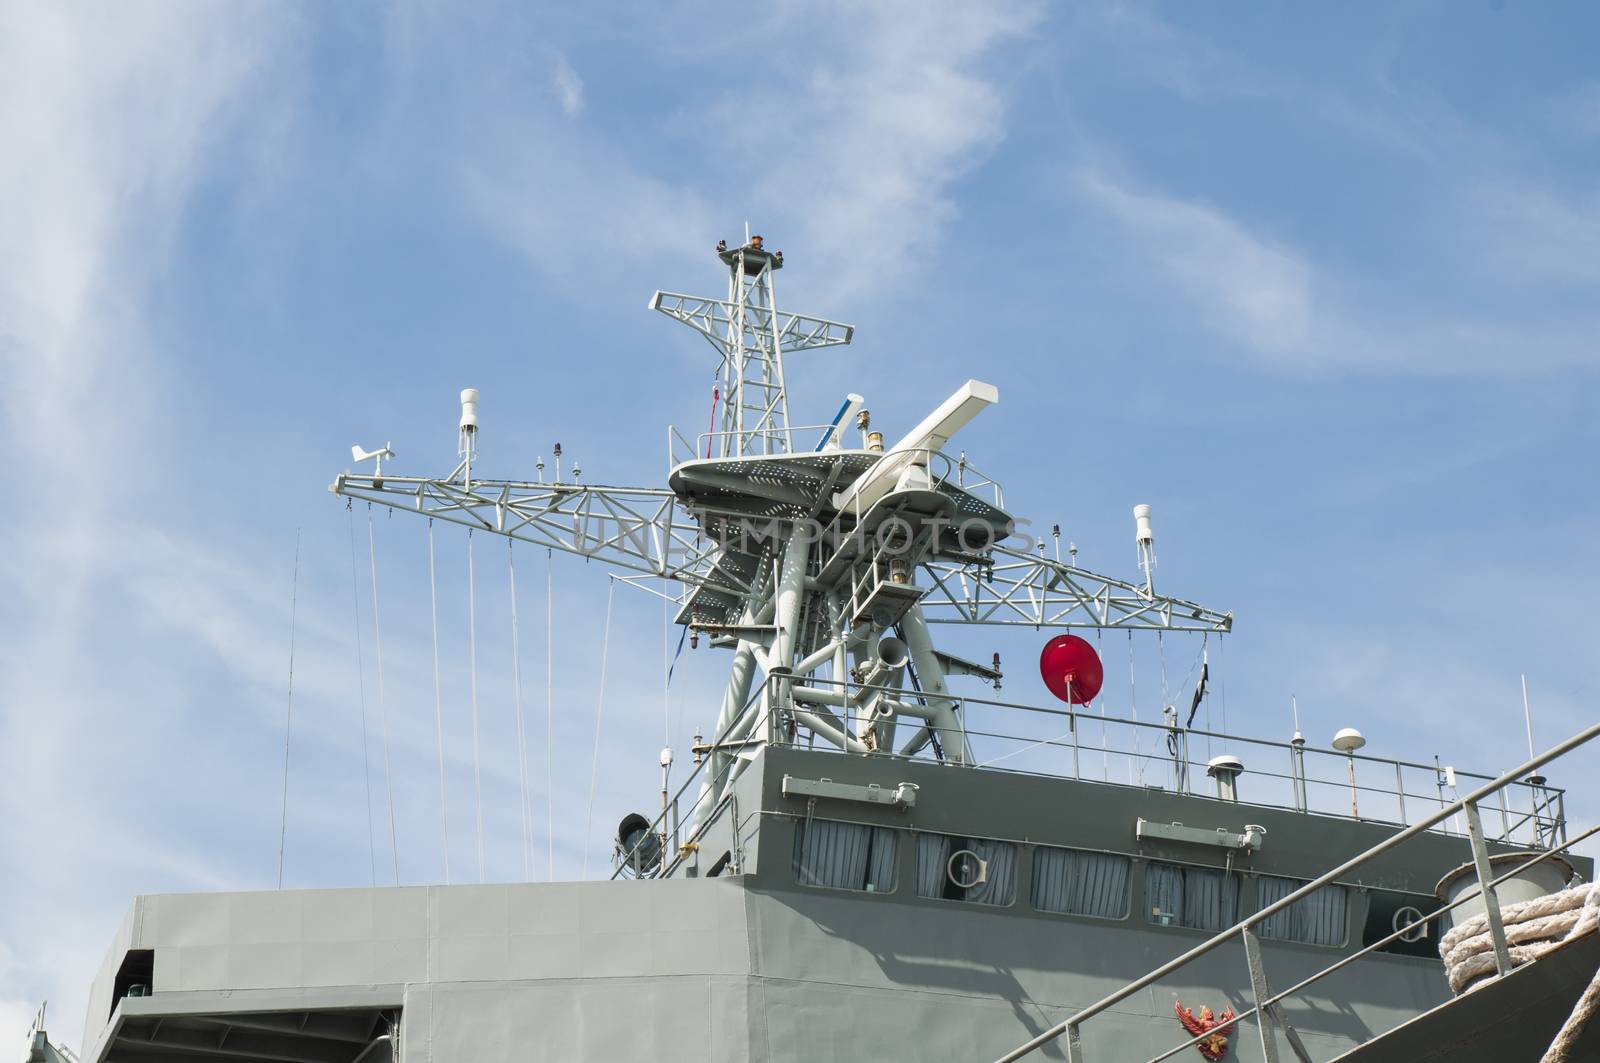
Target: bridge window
{"x": 844, "y": 856}
{"x": 1079, "y": 883}
{"x": 957, "y": 868}
{"x": 1201, "y": 898}
{"x": 1316, "y": 919}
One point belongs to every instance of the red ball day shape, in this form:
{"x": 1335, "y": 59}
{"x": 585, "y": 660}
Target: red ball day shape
{"x": 1071, "y": 669}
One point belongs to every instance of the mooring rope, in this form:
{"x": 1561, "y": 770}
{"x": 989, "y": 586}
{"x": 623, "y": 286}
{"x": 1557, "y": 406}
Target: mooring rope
{"x": 361, "y": 692}
{"x": 594, "y": 766}
{"x": 383, "y": 710}
{"x": 1533, "y": 929}
{"x": 288, "y": 721}
{"x": 438, "y": 700}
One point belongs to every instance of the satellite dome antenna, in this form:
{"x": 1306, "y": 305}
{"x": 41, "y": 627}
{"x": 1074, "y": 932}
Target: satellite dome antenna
{"x": 1347, "y": 741}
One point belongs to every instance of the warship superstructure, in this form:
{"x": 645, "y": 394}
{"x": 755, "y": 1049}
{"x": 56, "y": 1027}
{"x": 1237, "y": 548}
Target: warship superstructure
{"x": 869, "y": 861}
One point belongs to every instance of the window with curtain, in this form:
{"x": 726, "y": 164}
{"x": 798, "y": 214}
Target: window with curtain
{"x": 1316, "y": 919}
{"x": 1079, "y": 883}
{"x": 1201, "y": 898}
{"x": 844, "y": 856}
{"x": 976, "y": 870}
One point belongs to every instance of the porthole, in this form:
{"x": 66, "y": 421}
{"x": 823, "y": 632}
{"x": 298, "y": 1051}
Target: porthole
{"x": 967, "y": 869}
{"x": 1410, "y": 918}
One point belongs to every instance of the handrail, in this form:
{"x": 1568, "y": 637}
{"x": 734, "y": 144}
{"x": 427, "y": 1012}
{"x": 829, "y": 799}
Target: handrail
{"x": 955, "y": 471}
{"x": 1466, "y": 804}
{"x": 1343, "y": 962}
{"x": 1300, "y": 782}
{"x": 658, "y": 825}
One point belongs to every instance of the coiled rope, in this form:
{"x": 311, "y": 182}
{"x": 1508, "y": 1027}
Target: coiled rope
{"x": 1533, "y": 929}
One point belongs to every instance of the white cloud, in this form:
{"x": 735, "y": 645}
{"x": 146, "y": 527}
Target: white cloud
{"x": 1576, "y": 114}
{"x": 1256, "y": 291}
{"x": 1498, "y": 258}
{"x": 568, "y": 86}
{"x": 859, "y": 144}
{"x": 1528, "y": 236}
{"x": 874, "y": 138}
{"x": 1274, "y": 304}
{"x": 547, "y": 191}
{"x": 109, "y": 118}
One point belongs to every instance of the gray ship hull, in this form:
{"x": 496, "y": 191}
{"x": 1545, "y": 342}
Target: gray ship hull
{"x": 753, "y": 964}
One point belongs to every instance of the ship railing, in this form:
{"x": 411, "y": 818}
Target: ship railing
{"x": 1080, "y": 743}
{"x": 943, "y": 468}
{"x": 1266, "y": 1012}
{"x": 796, "y": 439}
{"x": 684, "y": 817}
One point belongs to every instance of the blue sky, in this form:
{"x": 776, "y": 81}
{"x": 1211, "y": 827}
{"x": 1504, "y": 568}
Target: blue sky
{"x": 1321, "y": 286}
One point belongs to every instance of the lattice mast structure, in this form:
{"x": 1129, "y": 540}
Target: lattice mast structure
{"x": 751, "y": 337}
{"x": 821, "y": 567}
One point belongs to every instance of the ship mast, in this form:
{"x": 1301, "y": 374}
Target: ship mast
{"x": 751, "y": 337}
{"x": 821, "y": 566}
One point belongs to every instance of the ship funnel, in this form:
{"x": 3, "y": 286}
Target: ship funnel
{"x": 1226, "y": 769}
{"x": 638, "y": 847}
{"x": 892, "y": 651}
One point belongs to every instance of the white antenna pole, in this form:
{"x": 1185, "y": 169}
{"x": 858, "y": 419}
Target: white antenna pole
{"x": 1527, "y": 717}
{"x": 1294, "y": 707}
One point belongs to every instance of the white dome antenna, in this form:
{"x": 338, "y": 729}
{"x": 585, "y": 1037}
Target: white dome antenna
{"x": 1347, "y": 741}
